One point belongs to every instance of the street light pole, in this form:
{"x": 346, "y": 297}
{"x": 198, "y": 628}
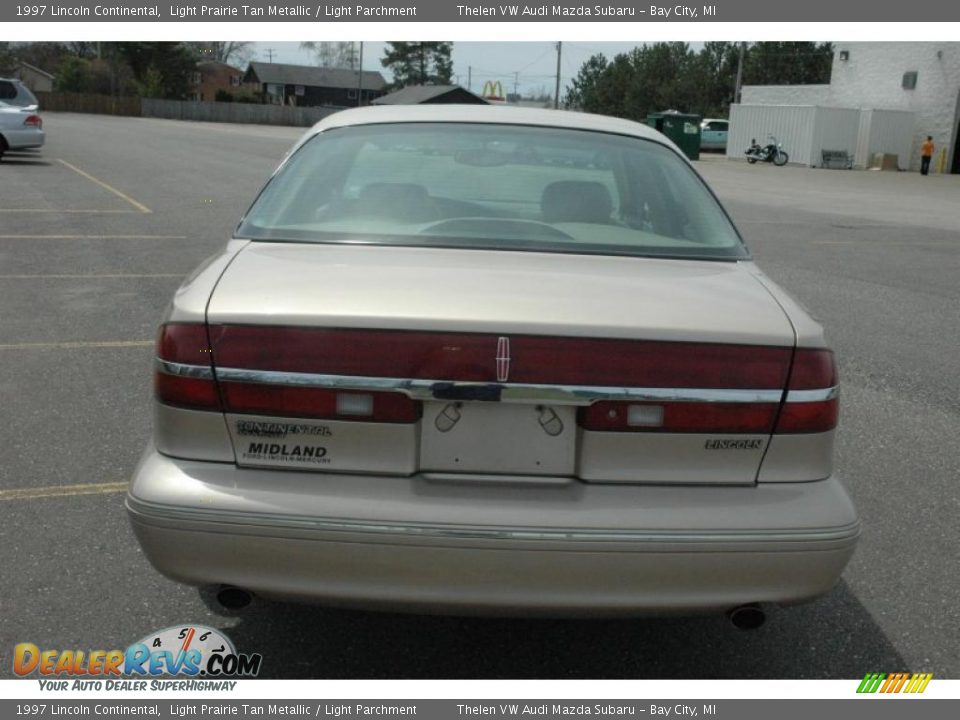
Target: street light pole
{"x": 556, "y": 92}
{"x": 360, "y": 78}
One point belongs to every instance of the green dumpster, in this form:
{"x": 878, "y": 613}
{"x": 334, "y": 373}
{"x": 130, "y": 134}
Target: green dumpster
{"x": 680, "y": 127}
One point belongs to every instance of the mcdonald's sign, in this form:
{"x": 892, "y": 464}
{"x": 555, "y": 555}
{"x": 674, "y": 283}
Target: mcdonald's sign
{"x": 493, "y": 91}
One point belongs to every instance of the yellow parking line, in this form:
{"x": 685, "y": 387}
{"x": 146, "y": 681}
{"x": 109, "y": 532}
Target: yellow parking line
{"x": 54, "y": 210}
{"x": 138, "y": 205}
{"x": 62, "y": 491}
{"x": 76, "y": 345}
{"x": 92, "y": 275}
{"x": 93, "y": 237}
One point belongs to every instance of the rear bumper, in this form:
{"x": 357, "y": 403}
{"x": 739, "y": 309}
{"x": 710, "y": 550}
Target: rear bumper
{"x": 24, "y": 139}
{"x": 444, "y": 544}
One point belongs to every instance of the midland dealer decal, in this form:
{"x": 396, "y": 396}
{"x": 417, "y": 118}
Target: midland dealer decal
{"x": 191, "y": 651}
{"x": 282, "y": 443}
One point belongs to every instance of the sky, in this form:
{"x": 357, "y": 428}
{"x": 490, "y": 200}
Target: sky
{"x": 531, "y": 65}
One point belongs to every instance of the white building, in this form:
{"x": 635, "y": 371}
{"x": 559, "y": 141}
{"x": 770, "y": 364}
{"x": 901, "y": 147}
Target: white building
{"x": 903, "y": 91}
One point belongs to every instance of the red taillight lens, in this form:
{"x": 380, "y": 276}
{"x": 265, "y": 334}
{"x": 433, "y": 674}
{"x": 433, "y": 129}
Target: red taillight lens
{"x": 185, "y": 344}
{"x": 680, "y": 417}
{"x": 469, "y": 357}
{"x": 33, "y": 121}
{"x": 294, "y": 401}
{"x": 809, "y": 417}
{"x": 812, "y": 371}
{"x": 187, "y": 392}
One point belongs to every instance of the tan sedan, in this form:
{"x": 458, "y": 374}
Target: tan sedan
{"x": 489, "y": 359}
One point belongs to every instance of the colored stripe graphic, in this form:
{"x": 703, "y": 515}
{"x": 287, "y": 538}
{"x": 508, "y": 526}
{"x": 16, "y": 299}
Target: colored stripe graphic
{"x": 894, "y": 683}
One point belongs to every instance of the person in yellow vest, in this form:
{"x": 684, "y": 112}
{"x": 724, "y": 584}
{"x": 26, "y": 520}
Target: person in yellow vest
{"x": 926, "y": 153}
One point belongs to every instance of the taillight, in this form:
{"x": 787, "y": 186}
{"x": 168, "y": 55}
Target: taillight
{"x": 297, "y": 401}
{"x": 680, "y": 417}
{"x": 184, "y": 373}
{"x": 811, "y": 405}
{"x": 33, "y": 121}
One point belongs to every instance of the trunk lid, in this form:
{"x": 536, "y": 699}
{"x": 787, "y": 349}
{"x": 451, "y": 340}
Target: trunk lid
{"x": 509, "y": 363}
{"x": 358, "y": 286}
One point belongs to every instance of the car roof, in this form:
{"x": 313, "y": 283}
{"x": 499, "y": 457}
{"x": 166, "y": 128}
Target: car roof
{"x": 491, "y": 114}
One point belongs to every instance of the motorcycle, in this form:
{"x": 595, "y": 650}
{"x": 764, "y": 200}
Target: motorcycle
{"x": 772, "y": 153}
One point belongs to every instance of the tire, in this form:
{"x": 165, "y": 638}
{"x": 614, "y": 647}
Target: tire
{"x": 780, "y": 159}
{"x": 3, "y": 146}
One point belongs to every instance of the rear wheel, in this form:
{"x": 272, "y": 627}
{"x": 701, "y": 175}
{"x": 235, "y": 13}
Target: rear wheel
{"x": 780, "y": 159}
{"x": 3, "y": 146}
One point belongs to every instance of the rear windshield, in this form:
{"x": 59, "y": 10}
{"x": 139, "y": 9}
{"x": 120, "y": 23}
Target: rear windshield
{"x": 486, "y": 186}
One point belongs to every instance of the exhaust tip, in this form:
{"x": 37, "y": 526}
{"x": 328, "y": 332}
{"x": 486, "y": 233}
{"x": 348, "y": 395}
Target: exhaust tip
{"x": 747, "y": 617}
{"x": 233, "y": 598}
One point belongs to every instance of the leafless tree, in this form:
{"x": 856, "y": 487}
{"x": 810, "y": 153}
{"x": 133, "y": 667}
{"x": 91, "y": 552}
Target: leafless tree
{"x": 232, "y": 53}
{"x": 334, "y": 54}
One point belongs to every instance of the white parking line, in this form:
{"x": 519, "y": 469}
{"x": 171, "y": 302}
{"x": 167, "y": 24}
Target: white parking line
{"x": 138, "y": 205}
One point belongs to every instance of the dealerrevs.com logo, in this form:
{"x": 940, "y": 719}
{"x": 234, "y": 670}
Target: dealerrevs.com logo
{"x": 192, "y": 651}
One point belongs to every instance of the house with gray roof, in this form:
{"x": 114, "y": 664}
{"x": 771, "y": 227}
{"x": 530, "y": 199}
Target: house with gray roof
{"x": 308, "y": 86}
{"x": 430, "y": 94}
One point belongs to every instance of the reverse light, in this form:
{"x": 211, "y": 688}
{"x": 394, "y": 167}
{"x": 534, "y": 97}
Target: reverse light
{"x": 354, "y": 404}
{"x": 645, "y": 415}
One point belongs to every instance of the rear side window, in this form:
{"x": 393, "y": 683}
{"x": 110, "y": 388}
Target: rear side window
{"x": 16, "y": 94}
{"x": 505, "y": 187}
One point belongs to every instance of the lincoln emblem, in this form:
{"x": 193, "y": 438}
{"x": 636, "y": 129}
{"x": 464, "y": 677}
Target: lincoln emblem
{"x": 503, "y": 359}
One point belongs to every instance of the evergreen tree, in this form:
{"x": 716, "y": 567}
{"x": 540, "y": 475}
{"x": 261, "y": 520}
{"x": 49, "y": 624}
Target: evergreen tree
{"x": 419, "y": 63}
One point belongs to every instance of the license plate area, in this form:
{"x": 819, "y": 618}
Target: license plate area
{"x": 494, "y": 437}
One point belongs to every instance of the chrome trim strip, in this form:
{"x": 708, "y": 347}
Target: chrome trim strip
{"x": 204, "y": 372}
{"x": 531, "y": 392}
{"x": 515, "y": 392}
{"x": 156, "y": 511}
{"x": 802, "y": 396}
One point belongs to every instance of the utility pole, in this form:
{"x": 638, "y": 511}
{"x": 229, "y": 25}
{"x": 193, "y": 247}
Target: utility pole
{"x": 469, "y": 77}
{"x": 360, "y": 78}
{"x": 516, "y": 86}
{"x": 269, "y": 52}
{"x": 736, "y": 90}
{"x": 556, "y": 92}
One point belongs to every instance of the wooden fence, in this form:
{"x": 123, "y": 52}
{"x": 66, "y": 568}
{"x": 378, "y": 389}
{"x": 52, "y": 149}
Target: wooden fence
{"x": 88, "y": 103}
{"x": 182, "y": 109}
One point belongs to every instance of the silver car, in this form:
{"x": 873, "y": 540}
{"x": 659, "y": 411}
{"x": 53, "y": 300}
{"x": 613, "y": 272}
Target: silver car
{"x": 492, "y": 359}
{"x": 21, "y": 126}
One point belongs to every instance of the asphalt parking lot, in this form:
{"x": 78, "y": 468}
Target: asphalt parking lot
{"x": 97, "y": 231}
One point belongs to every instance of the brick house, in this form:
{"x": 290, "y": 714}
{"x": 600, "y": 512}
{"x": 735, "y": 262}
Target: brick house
{"x": 211, "y": 76}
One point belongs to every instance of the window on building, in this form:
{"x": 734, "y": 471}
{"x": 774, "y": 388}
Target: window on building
{"x": 351, "y": 94}
{"x": 910, "y": 80}
{"x": 235, "y": 80}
